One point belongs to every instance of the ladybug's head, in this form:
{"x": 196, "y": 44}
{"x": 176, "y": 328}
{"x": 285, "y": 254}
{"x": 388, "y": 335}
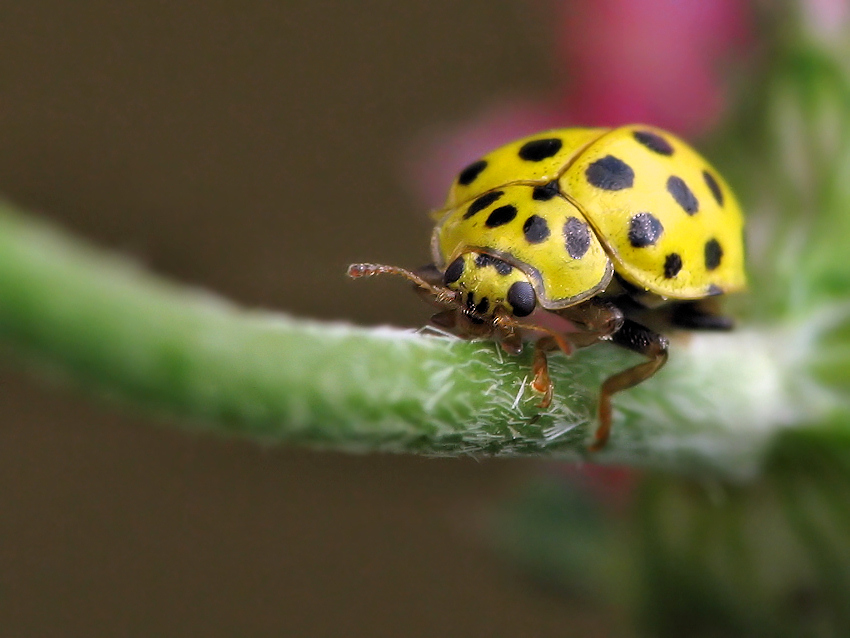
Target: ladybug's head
{"x": 485, "y": 284}
{"x": 481, "y": 296}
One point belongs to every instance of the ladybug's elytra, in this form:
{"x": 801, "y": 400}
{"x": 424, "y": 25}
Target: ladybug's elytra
{"x": 580, "y": 235}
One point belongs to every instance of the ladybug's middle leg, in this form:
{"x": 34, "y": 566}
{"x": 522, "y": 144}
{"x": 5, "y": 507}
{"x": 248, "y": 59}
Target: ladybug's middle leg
{"x": 639, "y": 339}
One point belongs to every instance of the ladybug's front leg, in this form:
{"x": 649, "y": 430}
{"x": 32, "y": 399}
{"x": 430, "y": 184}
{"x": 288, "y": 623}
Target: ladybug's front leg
{"x": 639, "y": 339}
{"x": 541, "y": 381}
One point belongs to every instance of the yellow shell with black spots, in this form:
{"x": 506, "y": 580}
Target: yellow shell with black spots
{"x": 538, "y": 231}
{"x": 660, "y": 215}
{"x": 536, "y": 158}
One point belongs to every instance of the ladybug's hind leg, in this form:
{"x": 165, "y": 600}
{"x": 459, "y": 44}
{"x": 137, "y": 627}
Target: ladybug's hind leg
{"x": 639, "y": 339}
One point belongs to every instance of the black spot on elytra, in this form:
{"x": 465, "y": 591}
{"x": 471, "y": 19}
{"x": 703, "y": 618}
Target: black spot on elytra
{"x": 482, "y": 202}
{"x": 644, "y": 230}
{"x": 537, "y": 150}
{"x": 536, "y": 229}
{"x": 654, "y": 142}
{"x": 453, "y": 272}
{"x": 713, "y": 254}
{"x": 468, "y": 175}
{"x": 682, "y": 194}
{"x": 714, "y": 187}
{"x": 501, "y": 216}
{"x": 576, "y": 237}
{"x": 546, "y": 192}
{"x": 522, "y": 298}
{"x": 502, "y": 267}
{"x": 610, "y": 174}
{"x": 672, "y": 265}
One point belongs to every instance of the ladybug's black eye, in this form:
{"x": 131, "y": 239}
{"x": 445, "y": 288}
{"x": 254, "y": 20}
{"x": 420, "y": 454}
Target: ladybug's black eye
{"x": 453, "y": 272}
{"x": 522, "y": 298}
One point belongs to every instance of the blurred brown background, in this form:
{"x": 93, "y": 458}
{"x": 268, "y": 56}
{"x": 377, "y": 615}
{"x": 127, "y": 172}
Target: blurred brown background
{"x": 253, "y": 148}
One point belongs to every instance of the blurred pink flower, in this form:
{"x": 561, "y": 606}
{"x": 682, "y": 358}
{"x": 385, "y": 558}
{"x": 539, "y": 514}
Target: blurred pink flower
{"x": 616, "y": 61}
{"x": 827, "y": 19}
{"x": 655, "y": 61}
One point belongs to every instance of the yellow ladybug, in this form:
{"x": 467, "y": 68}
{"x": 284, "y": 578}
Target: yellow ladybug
{"x": 580, "y": 235}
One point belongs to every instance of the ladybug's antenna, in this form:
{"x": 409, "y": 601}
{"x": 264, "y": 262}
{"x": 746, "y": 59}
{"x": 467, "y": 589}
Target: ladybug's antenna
{"x": 443, "y": 295}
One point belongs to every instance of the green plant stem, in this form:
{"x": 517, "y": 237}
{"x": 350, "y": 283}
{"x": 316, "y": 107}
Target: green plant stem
{"x": 180, "y": 352}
